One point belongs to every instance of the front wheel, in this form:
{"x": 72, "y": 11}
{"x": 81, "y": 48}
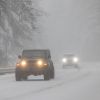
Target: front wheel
{"x": 24, "y": 77}
{"x": 18, "y": 75}
{"x": 47, "y": 75}
{"x": 52, "y": 73}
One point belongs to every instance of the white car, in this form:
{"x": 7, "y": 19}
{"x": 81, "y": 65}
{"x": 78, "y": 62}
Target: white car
{"x": 70, "y": 60}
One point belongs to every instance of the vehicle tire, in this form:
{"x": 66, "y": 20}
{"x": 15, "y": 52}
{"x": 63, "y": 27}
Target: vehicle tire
{"x": 47, "y": 75}
{"x": 18, "y": 75}
{"x": 24, "y": 77}
{"x": 52, "y": 73}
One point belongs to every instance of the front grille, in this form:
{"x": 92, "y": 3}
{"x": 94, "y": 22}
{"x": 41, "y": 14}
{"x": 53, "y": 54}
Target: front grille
{"x": 31, "y": 62}
{"x": 70, "y": 61}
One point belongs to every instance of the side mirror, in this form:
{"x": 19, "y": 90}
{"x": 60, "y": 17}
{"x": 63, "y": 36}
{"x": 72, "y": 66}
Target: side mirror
{"x": 19, "y": 56}
{"x": 49, "y": 56}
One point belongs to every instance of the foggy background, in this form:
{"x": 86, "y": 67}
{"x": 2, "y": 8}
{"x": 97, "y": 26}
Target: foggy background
{"x": 63, "y": 26}
{"x": 72, "y": 26}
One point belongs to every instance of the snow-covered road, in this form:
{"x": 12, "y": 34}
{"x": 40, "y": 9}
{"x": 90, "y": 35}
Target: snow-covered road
{"x": 69, "y": 84}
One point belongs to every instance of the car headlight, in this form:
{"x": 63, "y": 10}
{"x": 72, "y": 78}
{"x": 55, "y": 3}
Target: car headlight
{"x": 23, "y": 63}
{"x": 40, "y": 62}
{"x": 75, "y": 59}
{"x": 64, "y": 60}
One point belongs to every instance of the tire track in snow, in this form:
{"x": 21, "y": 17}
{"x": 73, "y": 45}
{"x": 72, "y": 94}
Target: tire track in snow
{"x": 76, "y": 77}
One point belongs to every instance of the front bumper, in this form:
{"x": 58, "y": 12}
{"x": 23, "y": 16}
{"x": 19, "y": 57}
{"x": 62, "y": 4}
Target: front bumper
{"x": 69, "y": 65}
{"x": 32, "y": 70}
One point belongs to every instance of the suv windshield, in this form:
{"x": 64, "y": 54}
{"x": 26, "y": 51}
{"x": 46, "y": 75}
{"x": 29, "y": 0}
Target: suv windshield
{"x": 34, "y": 53}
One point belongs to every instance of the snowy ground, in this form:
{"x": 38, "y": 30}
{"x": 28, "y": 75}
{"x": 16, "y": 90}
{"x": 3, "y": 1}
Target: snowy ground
{"x": 69, "y": 84}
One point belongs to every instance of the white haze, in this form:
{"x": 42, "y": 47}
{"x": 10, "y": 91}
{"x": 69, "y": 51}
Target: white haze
{"x": 72, "y": 26}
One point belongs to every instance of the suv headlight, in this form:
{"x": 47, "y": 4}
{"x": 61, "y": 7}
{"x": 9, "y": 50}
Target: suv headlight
{"x": 41, "y": 63}
{"x": 23, "y": 63}
{"x": 75, "y": 59}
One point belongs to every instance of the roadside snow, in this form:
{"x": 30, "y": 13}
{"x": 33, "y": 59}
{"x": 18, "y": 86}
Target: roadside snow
{"x": 69, "y": 84}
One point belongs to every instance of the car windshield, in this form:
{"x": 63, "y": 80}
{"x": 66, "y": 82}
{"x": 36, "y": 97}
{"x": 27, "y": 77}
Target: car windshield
{"x": 33, "y": 53}
{"x": 68, "y": 55}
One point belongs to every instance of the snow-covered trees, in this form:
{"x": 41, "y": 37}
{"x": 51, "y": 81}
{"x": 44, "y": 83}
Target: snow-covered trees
{"x": 18, "y": 23}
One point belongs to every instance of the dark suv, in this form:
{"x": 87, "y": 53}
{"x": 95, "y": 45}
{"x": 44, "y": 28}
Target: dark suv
{"x": 34, "y": 62}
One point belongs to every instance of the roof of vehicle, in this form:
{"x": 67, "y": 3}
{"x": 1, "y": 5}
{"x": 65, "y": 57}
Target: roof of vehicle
{"x": 35, "y": 52}
{"x": 45, "y": 50}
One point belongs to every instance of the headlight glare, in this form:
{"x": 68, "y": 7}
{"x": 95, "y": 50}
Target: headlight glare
{"x": 23, "y": 63}
{"x": 40, "y": 63}
{"x": 64, "y": 60}
{"x": 75, "y": 59}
